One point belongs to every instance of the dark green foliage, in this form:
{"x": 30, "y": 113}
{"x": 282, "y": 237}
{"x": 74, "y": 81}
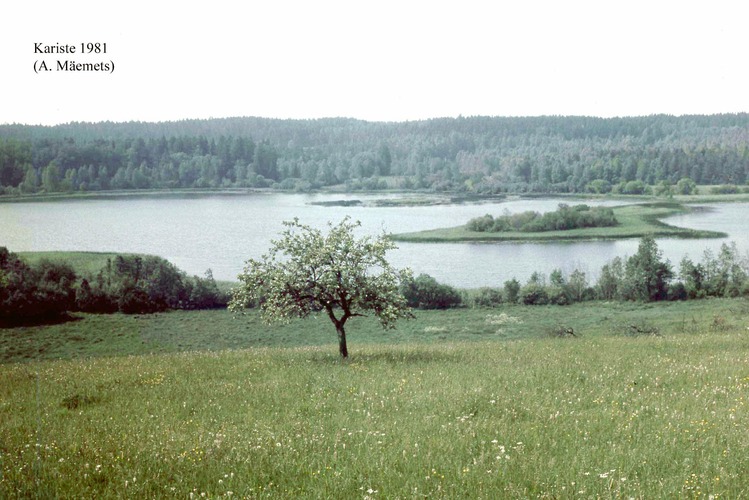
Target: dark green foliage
{"x": 576, "y": 287}
{"x": 677, "y": 291}
{"x": 129, "y": 284}
{"x": 534, "y": 294}
{"x": 557, "y": 295}
{"x": 643, "y": 277}
{"x": 488, "y": 297}
{"x": 134, "y": 300}
{"x": 512, "y": 291}
{"x": 29, "y": 293}
{"x": 424, "y": 292}
{"x": 265, "y": 161}
{"x": 598, "y": 186}
{"x": 610, "y": 281}
{"x": 727, "y": 189}
{"x": 564, "y": 218}
{"x": 150, "y": 284}
{"x": 632, "y": 187}
{"x": 204, "y": 293}
{"x": 15, "y": 157}
{"x": 144, "y": 284}
{"x": 686, "y": 186}
{"x": 94, "y": 299}
{"x": 722, "y": 275}
{"x": 478, "y": 155}
{"x": 646, "y": 275}
{"x": 664, "y": 189}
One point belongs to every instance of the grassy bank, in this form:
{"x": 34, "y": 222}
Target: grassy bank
{"x": 82, "y": 262}
{"x": 601, "y": 415}
{"x": 635, "y": 221}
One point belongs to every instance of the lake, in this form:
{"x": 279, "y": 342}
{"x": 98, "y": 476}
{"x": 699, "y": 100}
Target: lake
{"x": 222, "y": 231}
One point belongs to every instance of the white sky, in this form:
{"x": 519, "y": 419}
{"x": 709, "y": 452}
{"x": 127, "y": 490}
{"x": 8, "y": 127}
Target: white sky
{"x": 376, "y": 60}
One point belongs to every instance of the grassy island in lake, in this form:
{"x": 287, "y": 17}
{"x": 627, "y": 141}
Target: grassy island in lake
{"x": 634, "y": 221}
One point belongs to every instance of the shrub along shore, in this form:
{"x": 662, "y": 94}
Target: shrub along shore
{"x": 41, "y": 288}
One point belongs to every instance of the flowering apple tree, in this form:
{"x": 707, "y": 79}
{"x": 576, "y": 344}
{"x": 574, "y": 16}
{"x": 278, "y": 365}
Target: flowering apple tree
{"x": 308, "y": 271}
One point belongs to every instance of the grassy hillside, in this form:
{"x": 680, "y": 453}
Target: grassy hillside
{"x": 81, "y": 262}
{"x": 635, "y": 221}
{"x": 422, "y": 412}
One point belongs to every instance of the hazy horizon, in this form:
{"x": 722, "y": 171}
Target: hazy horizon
{"x": 371, "y": 121}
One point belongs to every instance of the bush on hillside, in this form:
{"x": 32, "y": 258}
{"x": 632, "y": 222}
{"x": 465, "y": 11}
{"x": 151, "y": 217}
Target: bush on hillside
{"x": 424, "y": 292}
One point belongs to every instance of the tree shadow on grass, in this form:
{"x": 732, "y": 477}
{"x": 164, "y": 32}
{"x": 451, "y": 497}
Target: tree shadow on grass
{"x": 19, "y": 321}
{"x": 395, "y": 356}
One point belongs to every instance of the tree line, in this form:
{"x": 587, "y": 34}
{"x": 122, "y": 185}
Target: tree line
{"x": 564, "y": 218}
{"x": 129, "y": 284}
{"x": 480, "y": 155}
{"x": 642, "y": 277}
{"x": 144, "y": 284}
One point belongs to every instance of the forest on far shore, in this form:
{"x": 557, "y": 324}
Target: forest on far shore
{"x": 481, "y": 155}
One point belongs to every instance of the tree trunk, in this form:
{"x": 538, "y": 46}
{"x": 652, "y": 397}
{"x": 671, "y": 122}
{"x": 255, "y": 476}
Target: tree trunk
{"x": 342, "y": 340}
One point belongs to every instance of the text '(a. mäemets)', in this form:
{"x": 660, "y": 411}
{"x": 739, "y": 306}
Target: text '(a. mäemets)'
{"x": 103, "y": 66}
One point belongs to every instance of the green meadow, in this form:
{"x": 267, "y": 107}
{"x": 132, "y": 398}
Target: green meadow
{"x": 645, "y": 401}
{"x": 635, "y": 221}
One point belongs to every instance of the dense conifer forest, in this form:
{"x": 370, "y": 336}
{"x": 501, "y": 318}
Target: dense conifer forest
{"x": 481, "y": 155}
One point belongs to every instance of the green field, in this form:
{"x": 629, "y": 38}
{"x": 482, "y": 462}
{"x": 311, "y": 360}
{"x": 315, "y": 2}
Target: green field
{"x": 96, "y": 335}
{"x": 82, "y": 262}
{"x": 635, "y": 221}
{"x": 470, "y": 403}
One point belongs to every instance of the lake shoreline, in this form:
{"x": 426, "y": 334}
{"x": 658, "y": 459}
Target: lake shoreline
{"x": 196, "y": 233}
{"x": 410, "y": 197}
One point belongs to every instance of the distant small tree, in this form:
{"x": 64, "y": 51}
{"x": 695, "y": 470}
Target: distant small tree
{"x": 488, "y": 297}
{"x": 610, "y": 282}
{"x": 634, "y": 187}
{"x": 511, "y": 290}
{"x": 646, "y": 275}
{"x": 686, "y": 186}
{"x": 307, "y": 271}
{"x": 664, "y": 189}
{"x": 598, "y": 186}
{"x": 577, "y": 286}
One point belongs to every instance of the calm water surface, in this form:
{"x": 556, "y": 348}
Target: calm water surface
{"x": 222, "y": 231}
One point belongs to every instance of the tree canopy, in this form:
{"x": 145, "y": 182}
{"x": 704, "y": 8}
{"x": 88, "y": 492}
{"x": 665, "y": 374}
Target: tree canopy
{"x": 307, "y": 271}
{"x": 482, "y": 155}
